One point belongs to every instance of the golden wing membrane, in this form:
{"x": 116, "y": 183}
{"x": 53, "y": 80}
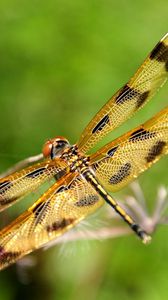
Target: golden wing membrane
{"x": 142, "y": 86}
{"x": 16, "y": 185}
{"x": 65, "y": 204}
{"x": 121, "y": 161}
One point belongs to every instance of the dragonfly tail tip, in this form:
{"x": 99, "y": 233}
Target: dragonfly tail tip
{"x": 146, "y": 239}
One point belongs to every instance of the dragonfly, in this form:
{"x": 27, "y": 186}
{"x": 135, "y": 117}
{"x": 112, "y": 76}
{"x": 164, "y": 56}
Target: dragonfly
{"x": 83, "y": 183}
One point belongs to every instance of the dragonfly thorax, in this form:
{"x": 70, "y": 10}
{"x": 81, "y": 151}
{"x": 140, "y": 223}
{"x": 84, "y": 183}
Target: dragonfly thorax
{"x": 74, "y": 158}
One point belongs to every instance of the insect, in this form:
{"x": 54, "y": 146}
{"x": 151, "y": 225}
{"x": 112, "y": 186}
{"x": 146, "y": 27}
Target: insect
{"x": 83, "y": 182}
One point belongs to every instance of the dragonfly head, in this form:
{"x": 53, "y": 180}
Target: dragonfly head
{"x": 54, "y": 147}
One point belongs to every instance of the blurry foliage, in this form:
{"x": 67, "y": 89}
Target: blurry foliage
{"x": 60, "y": 61}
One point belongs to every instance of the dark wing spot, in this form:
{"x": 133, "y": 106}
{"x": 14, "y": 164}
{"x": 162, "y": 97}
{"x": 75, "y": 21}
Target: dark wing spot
{"x": 8, "y": 256}
{"x": 6, "y": 184}
{"x": 87, "y": 201}
{"x": 61, "y": 189}
{"x": 1, "y": 250}
{"x": 5, "y": 200}
{"x": 127, "y": 93}
{"x": 36, "y": 173}
{"x": 40, "y": 212}
{"x": 112, "y": 151}
{"x": 160, "y": 52}
{"x": 141, "y": 135}
{"x": 95, "y": 166}
{"x": 155, "y": 151}
{"x": 166, "y": 66}
{"x": 38, "y": 209}
{"x": 123, "y": 172}
{"x": 103, "y": 122}
{"x": 59, "y": 225}
{"x": 142, "y": 98}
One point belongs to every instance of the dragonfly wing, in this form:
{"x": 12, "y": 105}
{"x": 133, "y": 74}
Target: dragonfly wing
{"x": 142, "y": 86}
{"x": 15, "y": 186}
{"x": 64, "y": 205}
{"x": 122, "y": 160}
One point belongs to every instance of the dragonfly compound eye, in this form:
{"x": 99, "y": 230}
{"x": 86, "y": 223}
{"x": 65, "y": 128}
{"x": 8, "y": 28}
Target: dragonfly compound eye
{"x": 54, "y": 147}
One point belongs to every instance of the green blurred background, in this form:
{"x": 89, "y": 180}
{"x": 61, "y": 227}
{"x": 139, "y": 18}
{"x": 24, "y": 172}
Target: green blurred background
{"x": 59, "y": 62}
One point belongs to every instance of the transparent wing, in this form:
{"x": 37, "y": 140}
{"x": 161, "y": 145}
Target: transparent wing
{"x": 16, "y": 185}
{"x": 122, "y": 160}
{"x": 65, "y": 204}
{"x": 142, "y": 86}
